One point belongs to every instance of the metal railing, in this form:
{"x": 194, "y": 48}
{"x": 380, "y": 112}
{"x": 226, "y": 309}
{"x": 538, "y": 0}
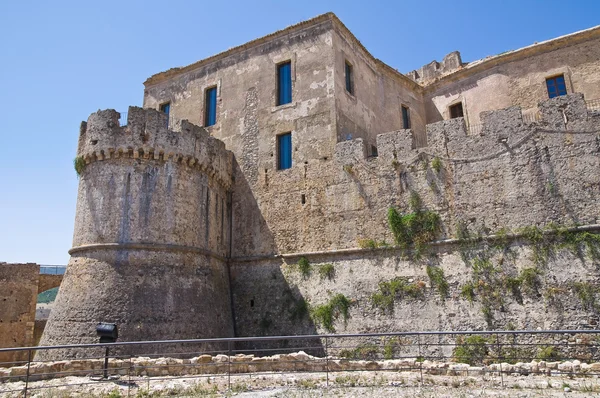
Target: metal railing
{"x": 172, "y": 123}
{"x": 53, "y": 269}
{"x": 322, "y": 361}
{"x": 593, "y": 104}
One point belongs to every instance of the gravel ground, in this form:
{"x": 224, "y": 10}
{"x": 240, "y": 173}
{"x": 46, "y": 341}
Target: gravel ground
{"x": 342, "y": 384}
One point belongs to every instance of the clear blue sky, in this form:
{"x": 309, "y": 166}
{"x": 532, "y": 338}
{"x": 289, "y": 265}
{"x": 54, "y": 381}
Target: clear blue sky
{"x": 62, "y": 60}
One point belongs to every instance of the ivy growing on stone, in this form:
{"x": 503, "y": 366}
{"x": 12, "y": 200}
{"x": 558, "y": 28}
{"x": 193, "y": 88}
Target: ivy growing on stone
{"x": 414, "y": 229}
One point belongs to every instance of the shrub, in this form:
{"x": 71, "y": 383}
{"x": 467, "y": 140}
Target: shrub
{"x": 304, "y": 267}
{"x": 395, "y": 288}
{"x": 530, "y": 278}
{"x": 436, "y": 164}
{"x": 587, "y": 294}
{"x": 367, "y": 244}
{"x": 468, "y": 292}
{"x": 327, "y": 271}
{"x": 438, "y": 280}
{"x": 548, "y": 353}
{"x": 471, "y": 350}
{"x": 79, "y": 165}
{"x": 417, "y": 228}
{"x": 364, "y": 351}
{"x": 326, "y": 314}
{"x": 514, "y": 286}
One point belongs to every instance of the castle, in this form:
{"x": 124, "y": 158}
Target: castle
{"x": 194, "y": 211}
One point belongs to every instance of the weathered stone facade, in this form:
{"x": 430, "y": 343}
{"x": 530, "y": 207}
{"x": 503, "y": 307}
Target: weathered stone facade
{"x": 21, "y": 284}
{"x": 176, "y": 236}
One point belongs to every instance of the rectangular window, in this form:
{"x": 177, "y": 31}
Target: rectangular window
{"x": 374, "y": 151}
{"x": 284, "y": 151}
{"x": 210, "y": 107}
{"x": 405, "y": 117}
{"x": 556, "y": 86}
{"x": 284, "y": 83}
{"x": 456, "y": 110}
{"x": 349, "y": 78}
{"x": 165, "y": 108}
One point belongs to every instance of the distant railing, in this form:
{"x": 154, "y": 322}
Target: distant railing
{"x": 593, "y": 104}
{"x": 474, "y": 129}
{"x": 123, "y": 119}
{"x": 492, "y": 357}
{"x": 531, "y": 116}
{"x": 53, "y": 269}
{"x": 172, "y": 122}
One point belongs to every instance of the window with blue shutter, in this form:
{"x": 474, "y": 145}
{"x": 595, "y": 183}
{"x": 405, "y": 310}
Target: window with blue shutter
{"x": 210, "y": 107}
{"x": 284, "y": 151}
{"x": 284, "y": 83}
{"x": 556, "y": 86}
{"x": 349, "y": 78}
{"x": 166, "y": 108}
{"x": 405, "y": 117}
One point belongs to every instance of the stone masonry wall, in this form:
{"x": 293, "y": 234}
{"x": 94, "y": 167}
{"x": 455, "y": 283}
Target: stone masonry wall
{"x": 18, "y": 298}
{"x": 513, "y": 176}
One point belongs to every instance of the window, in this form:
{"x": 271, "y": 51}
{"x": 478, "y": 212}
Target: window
{"x": 284, "y": 83}
{"x": 165, "y": 108}
{"x": 405, "y": 118}
{"x": 349, "y": 78}
{"x": 556, "y": 86}
{"x": 456, "y": 110}
{"x": 210, "y": 107}
{"x": 284, "y": 151}
{"x": 374, "y": 151}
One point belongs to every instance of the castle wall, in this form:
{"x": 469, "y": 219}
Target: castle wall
{"x": 516, "y": 175}
{"x": 520, "y": 82}
{"x": 375, "y": 105}
{"x": 18, "y": 298}
{"x": 152, "y": 231}
{"x": 267, "y": 294}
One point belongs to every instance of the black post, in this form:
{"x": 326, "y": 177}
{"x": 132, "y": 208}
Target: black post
{"x": 106, "y": 363}
{"x": 327, "y": 362}
{"x": 27, "y": 377}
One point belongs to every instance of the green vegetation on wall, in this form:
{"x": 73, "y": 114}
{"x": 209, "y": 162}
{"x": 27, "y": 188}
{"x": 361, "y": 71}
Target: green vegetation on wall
{"x": 414, "y": 229}
{"x": 79, "y": 165}
{"x": 327, "y": 314}
{"x": 397, "y": 288}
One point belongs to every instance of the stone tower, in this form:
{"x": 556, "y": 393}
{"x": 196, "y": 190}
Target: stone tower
{"x": 152, "y": 233}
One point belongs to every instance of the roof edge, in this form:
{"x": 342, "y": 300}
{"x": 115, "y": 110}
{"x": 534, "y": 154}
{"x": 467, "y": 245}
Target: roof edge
{"x": 162, "y": 76}
{"x": 514, "y": 55}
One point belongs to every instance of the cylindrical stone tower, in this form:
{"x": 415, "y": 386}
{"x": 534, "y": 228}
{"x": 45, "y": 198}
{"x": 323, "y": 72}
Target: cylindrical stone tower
{"x": 152, "y": 233}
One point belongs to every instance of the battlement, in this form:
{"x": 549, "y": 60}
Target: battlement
{"x": 147, "y": 136}
{"x": 499, "y": 131}
{"x": 435, "y": 69}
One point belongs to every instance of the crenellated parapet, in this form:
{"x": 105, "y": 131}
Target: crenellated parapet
{"x": 500, "y": 131}
{"x": 148, "y": 136}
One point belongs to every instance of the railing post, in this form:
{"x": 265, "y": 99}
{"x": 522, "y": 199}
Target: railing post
{"x": 420, "y": 360}
{"x": 229, "y": 365}
{"x": 27, "y": 375}
{"x": 106, "y": 362}
{"x": 500, "y": 358}
{"x": 129, "y": 376}
{"x": 326, "y": 362}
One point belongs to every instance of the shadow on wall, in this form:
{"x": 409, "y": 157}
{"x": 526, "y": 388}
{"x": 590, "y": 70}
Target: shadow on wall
{"x": 272, "y": 307}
